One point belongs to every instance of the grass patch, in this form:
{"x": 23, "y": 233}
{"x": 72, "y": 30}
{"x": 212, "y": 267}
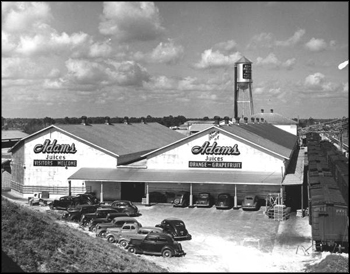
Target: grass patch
{"x": 36, "y": 243}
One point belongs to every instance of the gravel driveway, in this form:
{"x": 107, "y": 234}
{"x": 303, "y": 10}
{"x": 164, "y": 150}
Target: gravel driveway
{"x": 231, "y": 240}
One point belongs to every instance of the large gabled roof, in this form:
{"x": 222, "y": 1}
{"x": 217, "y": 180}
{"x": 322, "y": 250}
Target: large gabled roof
{"x": 275, "y": 118}
{"x": 264, "y": 136}
{"x": 119, "y": 139}
{"x": 12, "y": 135}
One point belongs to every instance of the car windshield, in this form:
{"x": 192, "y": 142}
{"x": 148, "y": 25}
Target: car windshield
{"x": 223, "y": 198}
{"x": 179, "y": 223}
{"x": 204, "y": 195}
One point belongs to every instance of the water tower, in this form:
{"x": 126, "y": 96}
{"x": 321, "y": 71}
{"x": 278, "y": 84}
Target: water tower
{"x": 243, "y": 82}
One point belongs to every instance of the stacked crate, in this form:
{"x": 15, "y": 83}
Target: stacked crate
{"x": 281, "y": 212}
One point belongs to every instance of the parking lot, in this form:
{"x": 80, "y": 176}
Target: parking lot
{"x": 231, "y": 240}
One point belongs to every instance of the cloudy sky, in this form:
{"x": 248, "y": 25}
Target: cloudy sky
{"x": 172, "y": 58}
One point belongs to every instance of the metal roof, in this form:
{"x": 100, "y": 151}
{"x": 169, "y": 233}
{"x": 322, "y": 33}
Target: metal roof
{"x": 12, "y": 135}
{"x": 265, "y": 137}
{"x": 274, "y": 118}
{"x": 176, "y": 176}
{"x": 120, "y": 139}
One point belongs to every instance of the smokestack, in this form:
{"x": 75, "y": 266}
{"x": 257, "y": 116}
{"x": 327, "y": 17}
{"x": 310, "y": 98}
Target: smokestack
{"x": 107, "y": 120}
{"x": 126, "y": 120}
{"x": 252, "y": 119}
{"x": 84, "y": 120}
{"x": 262, "y": 110}
{"x": 271, "y": 110}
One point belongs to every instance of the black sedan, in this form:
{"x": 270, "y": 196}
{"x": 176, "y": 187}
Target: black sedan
{"x": 176, "y": 228}
{"x": 126, "y": 206}
{"x": 224, "y": 201}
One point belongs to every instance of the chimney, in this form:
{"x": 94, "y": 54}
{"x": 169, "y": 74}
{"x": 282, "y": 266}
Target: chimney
{"x": 84, "y": 120}
{"x": 246, "y": 120}
{"x": 271, "y": 110}
{"x": 107, "y": 120}
{"x": 262, "y": 110}
{"x": 257, "y": 120}
{"x": 226, "y": 118}
{"x": 126, "y": 120}
{"x": 143, "y": 120}
{"x": 252, "y": 119}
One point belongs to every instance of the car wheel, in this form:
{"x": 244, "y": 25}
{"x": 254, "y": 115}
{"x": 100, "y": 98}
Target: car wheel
{"x": 123, "y": 243}
{"x": 110, "y": 239}
{"x": 101, "y": 233}
{"x": 167, "y": 253}
{"x": 31, "y": 203}
{"x": 132, "y": 249}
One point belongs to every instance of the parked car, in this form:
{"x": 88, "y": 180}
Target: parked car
{"x": 250, "y": 202}
{"x": 101, "y": 212}
{"x": 74, "y": 214}
{"x": 65, "y": 202}
{"x": 124, "y": 237}
{"x": 170, "y": 196}
{"x": 204, "y": 199}
{"x": 224, "y": 201}
{"x": 182, "y": 199}
{"x": 156, "y": 244}
{"x": 176, "y": 228}
{"x": 93, "y": 223}
{"x": 157, "y": 197}
{"x": 101, "y": 228}
{"x": 88, "y": 198}
{"x": 126, "y": 206}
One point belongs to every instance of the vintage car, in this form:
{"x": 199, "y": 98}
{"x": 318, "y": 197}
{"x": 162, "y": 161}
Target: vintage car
{"x": 250, "y": 202}
{"x": 74, "y": 214}
{"x": 93, "y": 223}
{"x": 156, "y": 244}
{"x": 176, "y": 228}
{"x": 124, "y": 237}
{"x": 181, "y": 199}
{"x": 224, "y": 201}
{"x": 126, "y": 206}
{"x": 88, "y": 198}
{"x": 65, "y": 202}
{"x": 101, "y": 228}
{"x": 101, "y": 212}
{"x": 204, "y": 199}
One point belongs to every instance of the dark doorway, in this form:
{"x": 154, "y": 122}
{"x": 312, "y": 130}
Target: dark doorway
{"x": 132, "y": 191}
{"x": 293, "y": 197}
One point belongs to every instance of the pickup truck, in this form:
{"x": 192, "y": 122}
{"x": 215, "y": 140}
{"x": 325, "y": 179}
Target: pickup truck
{"x": 123, "y": 237}
{"x": 116, "y": 222}
{"x": 156, "y": 244}
{"x": 105, "y": 220}
{"x": 99, "y": 213}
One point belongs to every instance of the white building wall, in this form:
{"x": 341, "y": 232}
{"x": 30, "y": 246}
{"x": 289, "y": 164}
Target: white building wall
{"x": 86, "y": 156}
{"x": 251, "y": 159}
{"x": 293, "y": 129}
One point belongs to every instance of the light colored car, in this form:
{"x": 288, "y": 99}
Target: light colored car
{"x": 250, "y": 202}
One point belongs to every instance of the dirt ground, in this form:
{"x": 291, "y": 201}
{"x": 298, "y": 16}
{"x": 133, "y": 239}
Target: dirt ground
{"x": 230, "y": 240}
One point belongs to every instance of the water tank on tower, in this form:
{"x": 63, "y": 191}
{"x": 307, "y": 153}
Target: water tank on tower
{"x": 243, "y": 81}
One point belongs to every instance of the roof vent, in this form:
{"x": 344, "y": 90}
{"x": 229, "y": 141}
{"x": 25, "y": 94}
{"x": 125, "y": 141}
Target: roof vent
{"x": 126, "y": 120}
{"x": 262, "y": 120}
{"x": 262, "y": 110}
{"x": 257, "y": 120}
{"x": 226, "y": 118}
{"x": 237, "y": 120}
{"x": 84, "y": 120}
{"x": 271, "y": 110}
{"x": 143, "y": 120}
{"x": 107, "y": 120}
{"x": 246, "y": 120}
{"x": 252, "y": 119}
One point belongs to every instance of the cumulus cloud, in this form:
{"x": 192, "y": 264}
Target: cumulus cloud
{"x": 271, "y": 61}
{"x": 166, "y": 53}
{"x": 268, "y": 40}
{"x": 226, "y": 47}
{"x": 24, "y": 16}
{"x": 316, "y": 45}
{"x": 292, "y": 40}
{"x": 216, "y": 59}
{"x": 317, "y": 83}
{"x": 131, "y": 21}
